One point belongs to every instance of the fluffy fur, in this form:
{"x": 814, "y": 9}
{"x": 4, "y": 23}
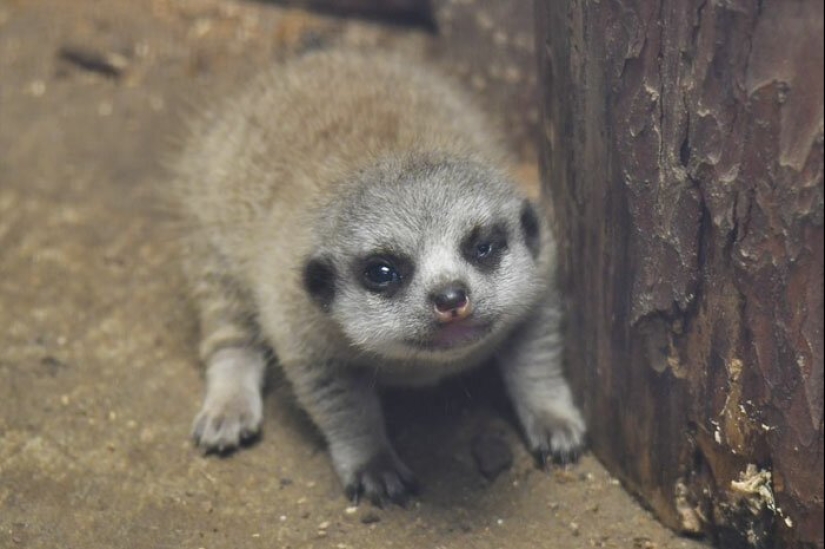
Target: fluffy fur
{"x": 350, "y": 211}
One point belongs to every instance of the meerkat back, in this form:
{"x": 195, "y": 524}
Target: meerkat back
{"x": 297, "y": 128}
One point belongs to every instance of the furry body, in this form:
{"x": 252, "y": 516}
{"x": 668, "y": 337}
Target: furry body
{"x": 350, "y": 212}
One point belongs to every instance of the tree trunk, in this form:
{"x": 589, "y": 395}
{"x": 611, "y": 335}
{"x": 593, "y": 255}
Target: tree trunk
{"x": 683, "y": 154}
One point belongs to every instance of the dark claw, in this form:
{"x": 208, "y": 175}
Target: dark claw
{"x": 377, "y": 500}
{"x": 569, "y": 458}
{"x": 247, "y": 438}
{"x": 545, "y": 457}
{"x": 353, "y": 493}
{"x": 397, "y": 492}
{"x": 250, "y": 438}
{"x": 219, "y": 451}
{"x": 541, "y": 458}
{"x": 382, "y": 480}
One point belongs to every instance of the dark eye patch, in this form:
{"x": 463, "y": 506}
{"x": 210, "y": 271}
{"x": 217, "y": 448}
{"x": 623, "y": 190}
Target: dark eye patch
{"x": 530, "y": 228}
{"x": 319, "y": 281}
{"x": 484, "y": 246}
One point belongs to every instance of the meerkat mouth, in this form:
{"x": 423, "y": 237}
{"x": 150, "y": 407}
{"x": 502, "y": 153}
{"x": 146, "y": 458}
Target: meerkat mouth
{"x": 454, "y": 335}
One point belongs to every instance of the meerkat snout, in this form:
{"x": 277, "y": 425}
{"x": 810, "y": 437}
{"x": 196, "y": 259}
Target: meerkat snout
{"x": 451, "y": 303}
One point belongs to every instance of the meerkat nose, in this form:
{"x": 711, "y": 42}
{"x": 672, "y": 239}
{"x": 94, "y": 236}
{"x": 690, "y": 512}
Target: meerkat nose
{"x": 451, "y": 303}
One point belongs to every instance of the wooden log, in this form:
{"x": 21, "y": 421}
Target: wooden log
{"x": 683, "y": 153}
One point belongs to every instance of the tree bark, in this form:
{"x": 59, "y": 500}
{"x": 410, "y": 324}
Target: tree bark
{"x": 683, "y": 156}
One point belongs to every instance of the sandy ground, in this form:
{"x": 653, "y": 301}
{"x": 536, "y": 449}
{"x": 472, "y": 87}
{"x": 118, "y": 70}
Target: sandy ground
{"x": 98, "y": 373}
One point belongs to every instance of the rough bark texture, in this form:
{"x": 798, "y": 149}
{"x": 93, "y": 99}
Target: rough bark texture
{"x": 683, "y": 150}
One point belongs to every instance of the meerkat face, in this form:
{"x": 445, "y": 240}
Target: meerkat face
{"x": 427, "y": 259}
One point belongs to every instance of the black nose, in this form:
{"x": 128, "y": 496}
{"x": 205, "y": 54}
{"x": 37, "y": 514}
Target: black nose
{"x": 450, "y": 298}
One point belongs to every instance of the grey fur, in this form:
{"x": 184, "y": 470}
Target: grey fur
{"x": 293, "y": 187}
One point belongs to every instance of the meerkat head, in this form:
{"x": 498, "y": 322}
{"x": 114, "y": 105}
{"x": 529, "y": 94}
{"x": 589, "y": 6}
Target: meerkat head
{"x": 427, "y": 257}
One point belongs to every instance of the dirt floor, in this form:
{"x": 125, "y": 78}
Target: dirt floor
{"x": 98, "y": 373}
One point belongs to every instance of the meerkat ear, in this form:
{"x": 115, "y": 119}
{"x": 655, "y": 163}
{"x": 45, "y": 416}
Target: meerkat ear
{"x": 530, "y": 228}
{"x": 319, "y": 280}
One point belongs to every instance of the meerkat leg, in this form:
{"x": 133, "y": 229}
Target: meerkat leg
{"x": 235, "y": 365}
{"x": 532, "y": 371}
{"x": 346, "y": 408}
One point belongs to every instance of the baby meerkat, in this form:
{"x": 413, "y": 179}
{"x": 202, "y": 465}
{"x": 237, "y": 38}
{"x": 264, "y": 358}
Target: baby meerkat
{"x": 351, "y": 212}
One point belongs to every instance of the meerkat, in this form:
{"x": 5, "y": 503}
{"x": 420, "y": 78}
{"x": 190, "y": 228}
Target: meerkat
{"x": 353, "y": 213}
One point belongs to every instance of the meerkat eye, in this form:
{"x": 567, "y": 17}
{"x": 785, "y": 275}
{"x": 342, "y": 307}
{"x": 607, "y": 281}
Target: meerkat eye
{"x": 380, "y": 275}
{"x": 483, "y": 249}
{"x": 484, "y": 246}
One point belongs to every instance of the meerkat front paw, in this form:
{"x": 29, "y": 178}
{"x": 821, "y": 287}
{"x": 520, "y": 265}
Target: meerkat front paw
{"x": 554, "y": 433}
{"x": 383, "y": 478}
{"x": 233, "y": 408}
{"x": 227, "y": 420}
